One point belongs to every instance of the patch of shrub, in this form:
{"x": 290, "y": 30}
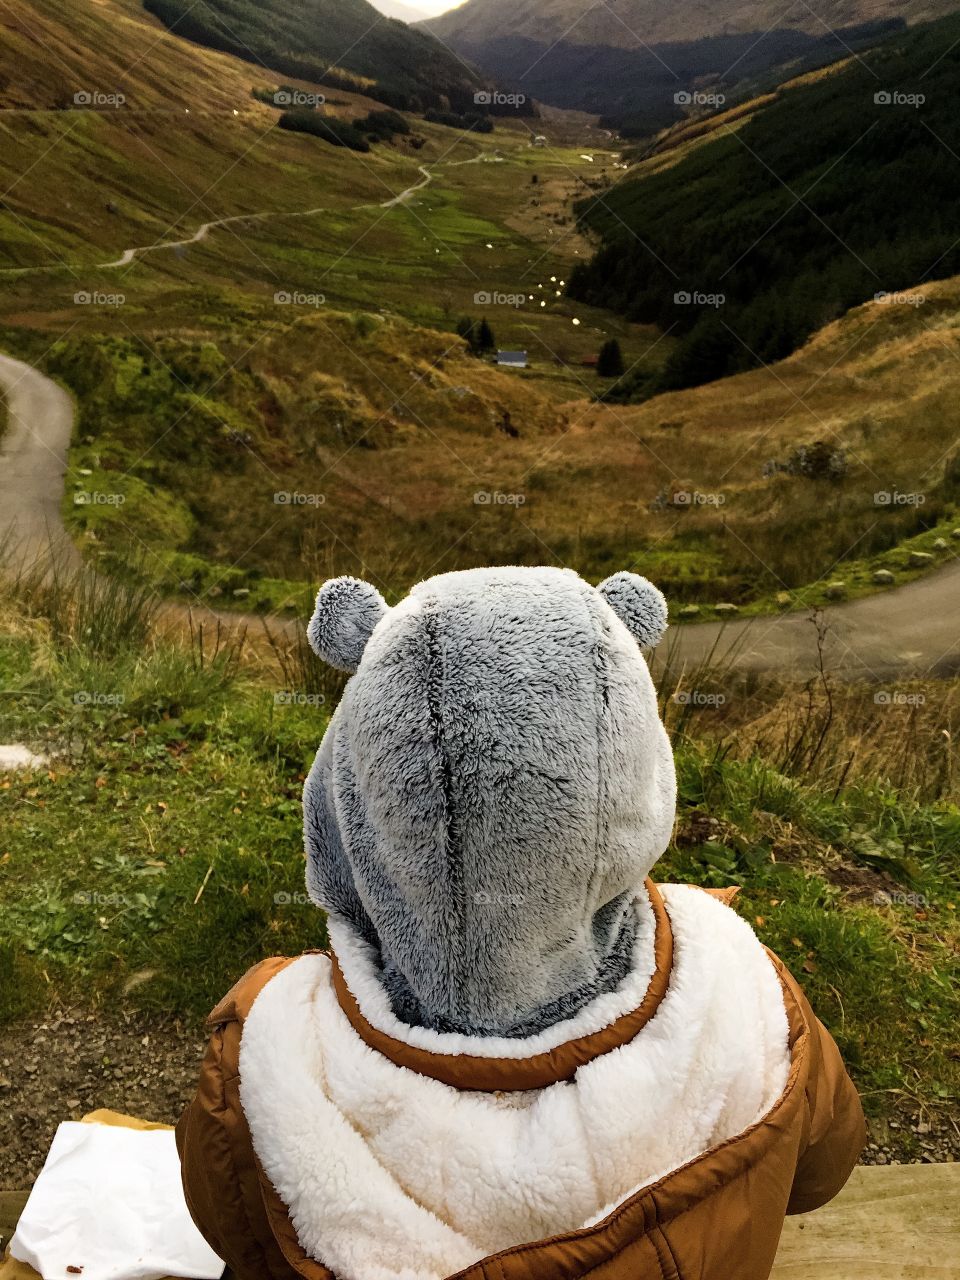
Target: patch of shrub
{"x": 270, "y": 96}
{"x": 471, "y": 123}
{"x": 339, "y": 133}
{"x": 817, "y": 461}
{"x": 382, "y": 124}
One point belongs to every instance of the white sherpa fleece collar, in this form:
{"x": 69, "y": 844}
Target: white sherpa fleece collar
{"x": 390, "y": 1175}
{"x": 359, "y": 964}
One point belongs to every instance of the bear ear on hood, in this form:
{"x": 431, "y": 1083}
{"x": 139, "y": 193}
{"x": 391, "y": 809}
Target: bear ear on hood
{"x": 346, "y": 612}
{"x": 638, "y": 604}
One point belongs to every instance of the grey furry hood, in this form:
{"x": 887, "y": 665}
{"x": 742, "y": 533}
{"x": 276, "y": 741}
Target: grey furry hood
{"x": 492, "y": 790}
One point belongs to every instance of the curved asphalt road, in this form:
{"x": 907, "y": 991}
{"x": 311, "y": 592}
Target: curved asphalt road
{"x": 909, "y": 630}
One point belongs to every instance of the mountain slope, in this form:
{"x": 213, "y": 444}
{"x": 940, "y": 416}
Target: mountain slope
{"x": 628, "y": 60}
{"x": 331, "y": 40}
{"x": 201, "y": 398}
{"x": 186, "y": 143}
{"x": 763, "y": 233}
{"x": 631, "y": 24}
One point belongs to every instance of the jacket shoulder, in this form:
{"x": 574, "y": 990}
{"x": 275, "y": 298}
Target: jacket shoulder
{"x": 237, "y": 1003}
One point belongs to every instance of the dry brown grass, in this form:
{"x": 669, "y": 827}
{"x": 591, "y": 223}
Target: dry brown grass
{"x": 414, "y": 449}
{"x": 901, "y": 735}
{"x": 881, "y": 383}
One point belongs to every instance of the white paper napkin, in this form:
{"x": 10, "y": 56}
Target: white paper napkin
{"x": 110, "y": 1201}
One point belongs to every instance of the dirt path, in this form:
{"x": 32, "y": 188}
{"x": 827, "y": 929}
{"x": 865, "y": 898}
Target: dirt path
{"x": 913, "y": 629}
{"x": 201, "y": 233}
{"x": 408, "y": 192}
{"x": 205, "y": 228}
{"x": 73, "y": 1061}
{"x": 909, "y": 630}
{"x": 33, "y": 463}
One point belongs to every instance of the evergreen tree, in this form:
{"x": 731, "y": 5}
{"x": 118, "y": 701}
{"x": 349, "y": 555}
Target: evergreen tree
{"x": 610, "y": 360}
{"x": 485, "y": 339}
{"x": 708, "y": 352}
{"x": 478, "y": 334}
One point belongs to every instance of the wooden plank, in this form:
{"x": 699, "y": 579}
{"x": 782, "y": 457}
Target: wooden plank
{"x": 890, "y": 1222}
{"x": 11, "y": 1207}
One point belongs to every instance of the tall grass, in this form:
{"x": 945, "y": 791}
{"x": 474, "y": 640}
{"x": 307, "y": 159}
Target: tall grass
{"x": 102, "y": 655}
{"x": 301, "y": 672}
{"x": 902, "y": 737}
{"x": 82, "y": 610}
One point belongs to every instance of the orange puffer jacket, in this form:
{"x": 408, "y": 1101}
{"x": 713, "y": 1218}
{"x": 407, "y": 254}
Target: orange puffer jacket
{"x": 718, "y": 1216}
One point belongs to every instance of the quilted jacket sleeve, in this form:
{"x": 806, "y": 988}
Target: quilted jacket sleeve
{"x": 220, "y": 1177}
{"x": 210, "y": 1180}
{"x": 836, "y": 1132}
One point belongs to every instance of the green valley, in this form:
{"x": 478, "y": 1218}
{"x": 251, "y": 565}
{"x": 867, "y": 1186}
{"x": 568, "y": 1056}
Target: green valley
{"x": 307, "y": 342}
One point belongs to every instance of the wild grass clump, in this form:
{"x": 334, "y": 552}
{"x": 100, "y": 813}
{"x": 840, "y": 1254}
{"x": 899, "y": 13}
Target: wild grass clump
{"x": 902, "y": 735}
{"x": 83, "y": 611}
{"x": 304, "y": 679}
{"x": 159, "y": 847}
{"x": 99, "y": 657}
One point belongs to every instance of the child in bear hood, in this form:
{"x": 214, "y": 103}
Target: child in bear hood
{"x": 521, "y": 1059}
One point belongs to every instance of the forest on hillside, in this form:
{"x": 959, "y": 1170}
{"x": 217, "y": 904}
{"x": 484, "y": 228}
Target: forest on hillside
{"x": 326, "y": 40}
{"x": 636, "y": 89}
{"x": 840, "y": 190}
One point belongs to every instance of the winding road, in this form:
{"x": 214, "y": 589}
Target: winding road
{"x": 205, "y": 228}
{"x": 33, "y": 462}
{"x": 909, "y": 630}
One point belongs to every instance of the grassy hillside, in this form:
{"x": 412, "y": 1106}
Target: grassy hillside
{"x": 343, "y": 42}
{"x": 808, "y": 208}
{"x": 398, "y": 430}
{"x": 190, "y": 142}
{"x": 324, "y": 430}
{"x": 186, "y": 143}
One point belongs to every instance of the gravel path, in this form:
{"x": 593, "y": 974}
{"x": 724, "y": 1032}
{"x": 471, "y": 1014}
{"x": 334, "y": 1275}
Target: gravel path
{"x": 74, "y": 1062}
